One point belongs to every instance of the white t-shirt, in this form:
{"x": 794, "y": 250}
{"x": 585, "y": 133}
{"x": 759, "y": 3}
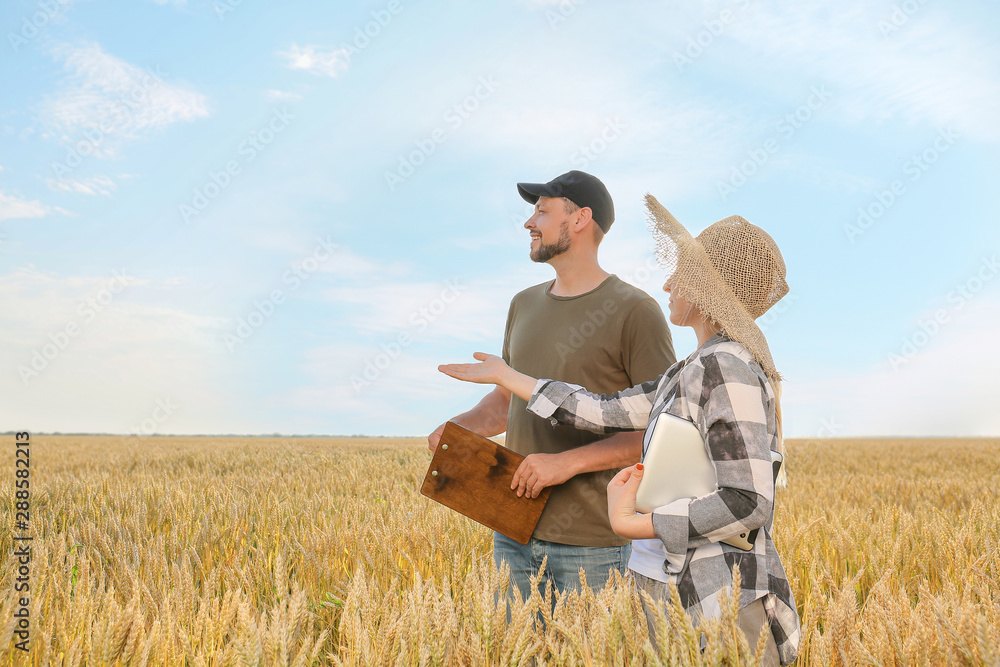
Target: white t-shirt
{"x": 647, "y": 559}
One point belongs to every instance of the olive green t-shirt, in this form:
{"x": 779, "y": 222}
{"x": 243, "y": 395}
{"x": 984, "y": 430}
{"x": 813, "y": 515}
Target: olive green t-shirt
{"x": 611, "y": 338}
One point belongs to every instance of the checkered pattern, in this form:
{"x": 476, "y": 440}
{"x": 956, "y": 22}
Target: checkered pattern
{"x": 728, "y": 397}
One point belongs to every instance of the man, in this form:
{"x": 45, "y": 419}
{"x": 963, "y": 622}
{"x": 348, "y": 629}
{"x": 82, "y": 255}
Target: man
{"x": 586, "y": 327}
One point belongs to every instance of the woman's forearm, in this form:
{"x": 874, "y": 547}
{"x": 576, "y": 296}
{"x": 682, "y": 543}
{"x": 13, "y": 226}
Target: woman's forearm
{"x": 519, "y": 384}
{"x": 567, "y": 403}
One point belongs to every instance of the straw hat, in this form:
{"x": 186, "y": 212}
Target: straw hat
{"x": 733, "y": 272}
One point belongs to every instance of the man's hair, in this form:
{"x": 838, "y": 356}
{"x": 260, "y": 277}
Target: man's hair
{"x": 570, "y": 207}
{"x": 598, "y": 233}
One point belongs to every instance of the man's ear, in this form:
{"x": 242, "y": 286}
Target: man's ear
{"x": 583, "y": 216}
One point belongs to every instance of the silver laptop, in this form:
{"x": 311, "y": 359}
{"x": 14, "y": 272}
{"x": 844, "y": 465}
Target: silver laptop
{"x": 676, "y": 465}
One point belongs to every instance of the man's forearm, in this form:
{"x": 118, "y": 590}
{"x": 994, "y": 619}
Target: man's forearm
{"x": 620, "y": 450}
{"x": 489, "y": 417}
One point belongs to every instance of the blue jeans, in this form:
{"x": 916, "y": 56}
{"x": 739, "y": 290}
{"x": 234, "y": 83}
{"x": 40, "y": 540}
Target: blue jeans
{"x": 563, "y": 566}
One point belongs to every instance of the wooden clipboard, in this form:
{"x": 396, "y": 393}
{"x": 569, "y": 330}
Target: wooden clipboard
{"x": 471, "y": 475}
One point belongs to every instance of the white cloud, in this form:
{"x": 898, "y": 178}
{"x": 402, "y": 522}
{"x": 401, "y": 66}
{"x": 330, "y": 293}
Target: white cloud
{"x": 319, "y": 60}
{"x": 106, "y": 100}
{"x": 934, "y": 69}
{"x": 94, "y": 185}
{"x": 16, "y": 207}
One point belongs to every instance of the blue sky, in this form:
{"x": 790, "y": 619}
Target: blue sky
{"x": 222, "y": 217}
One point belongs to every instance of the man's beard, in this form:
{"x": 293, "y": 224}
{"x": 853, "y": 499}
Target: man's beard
{"x": 546, "y": 252}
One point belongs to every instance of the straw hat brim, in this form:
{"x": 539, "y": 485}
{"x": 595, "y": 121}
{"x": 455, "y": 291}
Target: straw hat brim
{"x": 697, "y": 280}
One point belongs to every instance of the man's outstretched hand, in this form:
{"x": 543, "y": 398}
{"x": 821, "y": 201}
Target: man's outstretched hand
{"x": 490, "y": 371}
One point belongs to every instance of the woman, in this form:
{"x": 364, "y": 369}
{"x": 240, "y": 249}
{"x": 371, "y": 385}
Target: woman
{"x": 719, "y": 283}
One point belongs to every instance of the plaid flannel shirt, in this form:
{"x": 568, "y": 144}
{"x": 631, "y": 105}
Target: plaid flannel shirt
{"x": 724, "y": 392}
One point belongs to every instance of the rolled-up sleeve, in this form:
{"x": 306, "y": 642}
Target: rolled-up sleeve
{"x": 670, "y": 523}
{"x": 565, "y": 403}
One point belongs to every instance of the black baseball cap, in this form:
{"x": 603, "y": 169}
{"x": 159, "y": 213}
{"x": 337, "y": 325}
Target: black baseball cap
{"x": 579, "y": 187}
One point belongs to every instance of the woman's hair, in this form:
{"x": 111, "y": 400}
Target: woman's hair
{"x": 782, "y": 480}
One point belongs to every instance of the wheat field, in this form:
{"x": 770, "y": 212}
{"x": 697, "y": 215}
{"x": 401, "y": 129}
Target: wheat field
{"x": 253, "y": 551}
